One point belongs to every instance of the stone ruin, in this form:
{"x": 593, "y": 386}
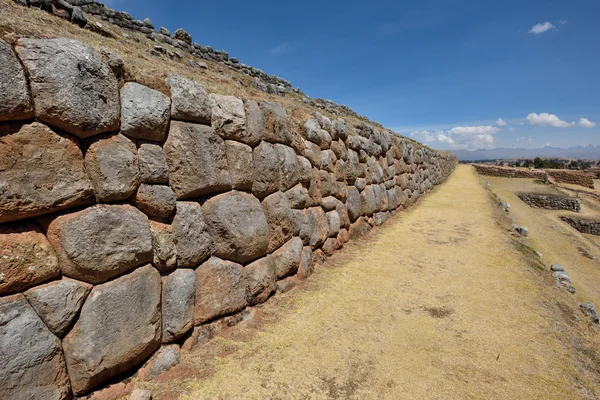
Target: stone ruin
{"x": 132, "y": 220}
{"x": 550, "y": 202}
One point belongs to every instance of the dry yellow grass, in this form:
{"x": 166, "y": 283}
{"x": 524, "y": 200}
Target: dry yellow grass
{"x": 437, "y": 304}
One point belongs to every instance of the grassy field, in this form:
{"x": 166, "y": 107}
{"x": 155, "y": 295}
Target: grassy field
{"x": 440, "y": 303}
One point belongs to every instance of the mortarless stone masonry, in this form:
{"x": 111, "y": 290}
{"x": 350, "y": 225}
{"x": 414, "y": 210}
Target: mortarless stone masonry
{"x": 155, "y": 232}
{"x": 550, "y": 202}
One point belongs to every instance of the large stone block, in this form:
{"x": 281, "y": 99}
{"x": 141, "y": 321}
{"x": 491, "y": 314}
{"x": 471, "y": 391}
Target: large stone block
{"x": 287, "y": 258}
{"x": 15, "y": 101}
{"x": 196, "y": 159}
{"x": 276, "y": 127}
{"x": 57, "y": 303}
{"x": 178, "y": 292}
{"x": 315, "y": 227}
{"x": 189, "y": 100}
{"x": 289, "y": 167}
{"x": 155, "y": 200}
{"x": 298, "y": 197}
{"x": 72, "y": 88}
{"x": 353, "y": 203}
{"x": 229, "y": 118}
{"x": 238, "y": 226}
{"x": 220, "y": 289}
{"x": 266, "y": 170}
{"x": 192, "y": 239}
{"x": 145, "y": 112}
{"x": 261, "y": 280}
{"x": 153, "y": 164}
{"x": 111, "y": 163}
{"x": 255, "y": 123}
{"x": 313, "y": 153}
{"x": 279, "y": 217}
{"x": 26, "y": 258}
{"x": 333, "y": 223}
{"x": 42, "y": 172}
{"x": 239, "y": 161}
{"x": 368, "y": 203}
{"x": 101, "y": 242}
{"x": 118, "y": 328}
{"x": 164, "y": 252}
{"x": 32, "y": 364}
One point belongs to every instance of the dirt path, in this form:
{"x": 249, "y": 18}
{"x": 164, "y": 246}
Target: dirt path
{"x": 437, "y": 304}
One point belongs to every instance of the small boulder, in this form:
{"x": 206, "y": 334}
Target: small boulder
{"x": 166, "y": 357}
{"x": 153, "y": 164}
{"x": 229, "y": 118}
{"x": 590, "y": 310}
{"x": 287, "y": 258}
{"x": 181, "y": 34}
{"x": 155, "y": 200}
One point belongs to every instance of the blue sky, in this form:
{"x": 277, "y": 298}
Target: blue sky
{"x": 443, "y": 72}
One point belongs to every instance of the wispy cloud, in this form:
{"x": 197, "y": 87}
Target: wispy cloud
{"x": 460, "y": 137}
{"x": 500, "y": 122}
{"x": 541, "y": 28}
{"x": 280, "y": 49}
{"x": 524, "y": 139}
{"x": 563, "y": 22}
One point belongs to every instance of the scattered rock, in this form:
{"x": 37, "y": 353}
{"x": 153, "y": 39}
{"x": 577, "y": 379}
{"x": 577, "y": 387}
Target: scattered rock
{"x": 590, "y": 310}
{"x": 145, "y": 112}
{"x": 557, "y": 268}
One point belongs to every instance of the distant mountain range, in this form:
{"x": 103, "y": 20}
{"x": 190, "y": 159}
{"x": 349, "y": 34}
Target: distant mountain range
{"x": 588, "y": 151}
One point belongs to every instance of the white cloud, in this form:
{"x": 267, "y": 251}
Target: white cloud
{"x": 524, "y": 139}
{"x": 510, "y": 128}
{"x": 500, "y": 122}
{"x": 586, "y": 123}
{"x": 545, "y": 119}
{"x": 541, "y": 28}
{"x": 460, "y": 137}
{"x": 563, "y": 22}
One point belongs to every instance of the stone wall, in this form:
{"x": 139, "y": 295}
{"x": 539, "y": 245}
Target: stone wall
{"x": 573, "y": 177}
{"x": 583, "y": 225}
{"x": 507, "y": 172}
{"x": 550, "y": 202}
{"x": 130, "y": 221}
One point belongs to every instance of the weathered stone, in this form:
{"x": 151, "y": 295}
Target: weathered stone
{"x": 289, "y": 167}
{"x": 314, "y": 231}
{"x": 368, "y": 204}
{"x": 155, "y": 200}
{"x": 114, "y": 62}
{"x": 339, "y": 129}
{"x": 220, "y": 289}
{"x": 229, "y": 118}
{"x": 239, "y": 161}
{"x": 15, "y": 101}
{"x": 279, "y": 217}
{"x": 329, "y": 159}
{"x": 324, "y": 122}
{"x": 72, "y": 88}
{"x": 307, "y": 263}
{"x": 111, "y": 163}
{"x": 261, "y": 280}
{"x": 145, "y": 112}
{"x": 164, "y": 252}
{"x": 590, "y": 310}
{"x": 314, "y": 133}
{"x": 166, "y": 357}
{"x": 342, "y": 211}
{"x": 330, "y": 245}
{"x": 276, "y": 128}
{"x": 32, "y": 364}
{"x": 178, "y": 291}
{"x": 26, "y": 257}
{"x": 266, "y": 170}
{"x": 238, "y": 226}
{"x": 333, "y": 223}
{"x": 298, "y": 197}
{"x": 313, "y": 153}
{"x": 101, "y": 242}
{"x": 119, "y": 327}
{"x": 181, "y": 34}
{"x": 152, "y": 164}
{"x": 557, "y": 268}
{"x": 42, "y": 172}
{"x": 329, "y": 203}
{"x": 141, "y": 394}
{"x": 339, "y": 149}
{"x": 196, "y": 159}
{"x": 190, "y": 101}
{"x": 305, "y": 169}
{"x": 57, "y": 303}
{"x": 344, "y": 235}
{"x": 255, "y": 123}
{"x": 287, "y": 284}
{"x": 359, "y": 228}
{"x": 380, "y": 217}
{"x": 327, "y": 183}
{"x": 287, "y": 258}
{"x": 192, "y": 240}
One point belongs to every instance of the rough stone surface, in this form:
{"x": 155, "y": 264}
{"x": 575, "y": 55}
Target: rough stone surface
{"x": 178, "y": 291}
{"x": 353, "y": 203}
{"x": 32, "y": 364}
{"x": 26, "y": 257}
{"x": 287, "y": 258}
{"x": 145, "y": 112}
{"x": 314, "y": 231}
{"x": 101, "y": 242}
{"x": 190, "y": 101}
{"x": 279, "y": 217}
{"x": 333, "y": 223}
{"x": 261, "y": 280}
{"x": 192, "y": 240}
{"x": 196, "y": 159}
{"x": 15, "y": 101}
{"x": 255, "y": 123}
{"x": 141, "y": 394}
{"x": 155, "y": 200}
{"x": 266, "y": 170}
{"x": 57, "y": 303}
{"x": 276, "y": 128}
{"x": 368, "y": 204}
{"x": 359, "y": 228}
{"x": 164, "y": 253}
{"x": 298, "y": 197}
{"x": 289, "y": 167}
{"x": 307, "y": 264}
{"x": 220, "y": 289}
{"x": 111, "y": 163}
{"x": 239, "y": 161}
{"x": 590, "y": 310}
{"x": 313, "y": 153}
{"x": 119, "y": 326}
{"x": 229, "y": 118}
{"x": 42, "y": 172}
{"x": 72, "y": 88}
{"x": 166, "y": 357}
{"x": 238, "y": 226}
{"x": 152, "y": 164}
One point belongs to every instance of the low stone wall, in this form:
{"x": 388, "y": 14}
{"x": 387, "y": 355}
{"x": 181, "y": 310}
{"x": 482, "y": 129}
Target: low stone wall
{"x": 507, "y": 172}
{"x": 583, "y": 225}
{"x": 573, "y": 177}
{"x": 132, "y": 221}
{"x": 550, "y": 202}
